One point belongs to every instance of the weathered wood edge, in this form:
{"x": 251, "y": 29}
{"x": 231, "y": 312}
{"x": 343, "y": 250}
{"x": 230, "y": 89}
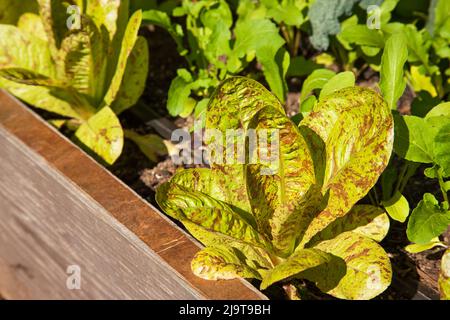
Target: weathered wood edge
{"x": 162, "y": 236}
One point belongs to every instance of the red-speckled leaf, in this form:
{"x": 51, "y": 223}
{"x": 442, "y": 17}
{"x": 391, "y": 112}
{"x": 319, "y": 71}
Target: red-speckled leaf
{"x": 187, "y": 204}
{"x": 231, "y": 107}
{"x": 369, "y": 270}
{"x": 221, "y": 262}
{"x": 307, "y": 264}
{"x": 285, "y": 199}
{"x": 366, "y": 220}
{"x": 357, "y": 128}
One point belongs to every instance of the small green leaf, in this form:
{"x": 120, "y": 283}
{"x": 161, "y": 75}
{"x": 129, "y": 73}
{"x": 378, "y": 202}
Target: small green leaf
{"x": 427, "y": 221}
{"x": 303, "y": 260}
{"x": 442, "y": 109}
{"x": 134, "y": 78}
{"x": 417, "y": 248}
{"x": 103, "y": 135}
{"x": 150, "y": 144}
{"x": 369, "y": 270}
{"x": 128, "y": 43}
{"x": 308, "y": 104}
{"x": 392, "y": 82}
{"x": 442, "y": 149}
{"x": 178, "y": 101}
{"x": 315, "y": 80}
{"x": 340, "y": 81}
{"x": 397, "y": 207}
{"x": 363, "y": 36}
{"x": 221, "y": 262}
{"x": 413, "y": 139}
{"x": 444, "y": 277}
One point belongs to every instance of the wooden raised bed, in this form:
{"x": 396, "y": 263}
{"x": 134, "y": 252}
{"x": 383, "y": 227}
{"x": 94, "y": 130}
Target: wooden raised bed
{"x": 58, "y": 207}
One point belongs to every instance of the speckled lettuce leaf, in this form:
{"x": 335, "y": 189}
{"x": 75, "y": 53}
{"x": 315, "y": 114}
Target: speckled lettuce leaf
{"x": 127, "y": 45}
{"x": 102, "y": 134}
{"x": 444, "y": 277}
{"x": 134, "y": 78}
{"x": 111, "y": 14}
{"x": 221, "y": 262}
{"x": 231, "y": 107}
{"x": 84, "y": 54}
{"x": 357, "y": 128}
{"x": 197, "y": 207}
{"x": 309, "y": 264}
{"x": 29, "y": 77}
{"x": 21, "y": 50}
{"x": 256, "y": 257}
{"x": 54, "y": 17}
{"x": 368, "y": 271}
{"x": 50, "y": 99}
{"x": 284, "y": 201}
{"x": 366, "y": 220}
{"x": 31, "y": 23}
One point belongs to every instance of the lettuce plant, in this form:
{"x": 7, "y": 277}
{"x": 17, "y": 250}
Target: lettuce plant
{"x": 302, "y": 221}
{"x": 86, "y": 65}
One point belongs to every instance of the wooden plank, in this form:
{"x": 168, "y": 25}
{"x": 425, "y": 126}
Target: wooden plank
{"x": 162, "y": 236}
{"x": 48, "y": 224}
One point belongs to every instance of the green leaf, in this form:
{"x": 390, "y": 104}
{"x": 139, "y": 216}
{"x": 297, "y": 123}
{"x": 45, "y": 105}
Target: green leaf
{"x": 305, "y": 260}
{"x": 111, "y": 15}
{"x": 31, "y": 23}
{"x": 363, "y": 36}
{"x": 340, "y": 81}
{"x": 444, "y": 276}
{"x": 369, "y": 270}
{"x": 442, "y": 109}
{"x": 221, "y": 262}
{"x": 134, "y": 78}
{"x": 56, "y": 100}
{"x": 423, "y": 103}
{"x": 283, "y": 201}
{"x": 128, "y": 43}
{"x": 392, "y": 82}
{"x": 102, "y": 134}
{"x": 20, "y": 50}
{"x": 178, "y": 101}
{"x": 202, "y": 209}
{"x": 417, "y": 248}
{"x": 24, "y": 76}
{"x": 427, "y": 221}
{"x": 150, "y": 144}
{"x": 397, "y": 207}
{"x": 261, "y": 37}
{"x": 54, "y": 17}
{"x": 366, "y": 220}
{"x": 308, "y": 104}
{"x": 352, "y": 142}
{"x": 442, "y": 148}
{"x": 315, "y": 80}
{"x": 84, "y": 53}
{"x": 421, "y": 82}
{"x": 413, "y": 139}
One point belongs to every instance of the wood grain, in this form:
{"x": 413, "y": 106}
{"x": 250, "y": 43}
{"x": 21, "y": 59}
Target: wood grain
{"x": 152, "y": 234}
